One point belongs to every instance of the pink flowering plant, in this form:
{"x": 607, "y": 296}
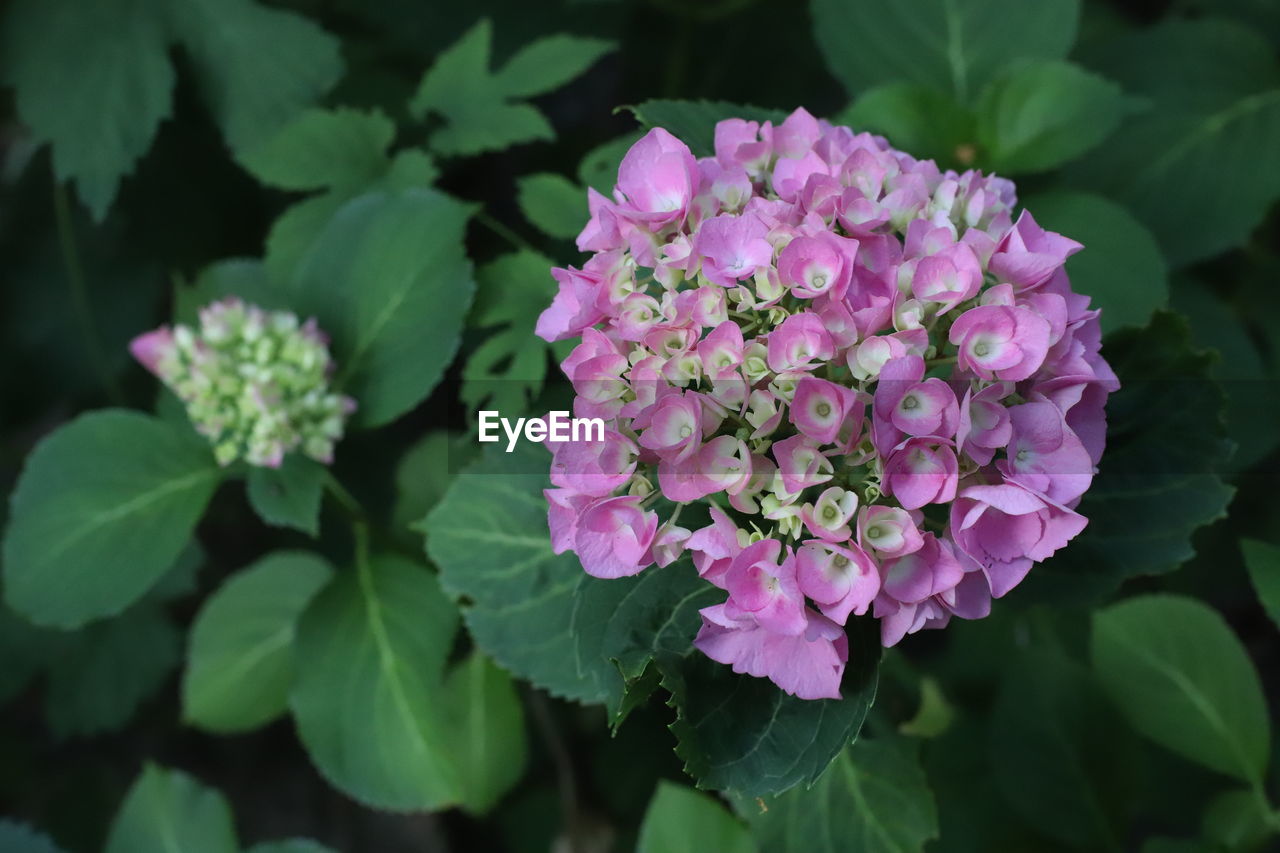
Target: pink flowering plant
{"x": 879, "y": 381}
{"x": 437, "y": 456}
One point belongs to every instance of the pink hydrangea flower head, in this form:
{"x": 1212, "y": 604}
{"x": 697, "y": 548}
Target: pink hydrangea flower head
{"x": 255, "y": 383}
{"x": 883, "y": 386}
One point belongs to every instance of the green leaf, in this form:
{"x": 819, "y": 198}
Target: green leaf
{"x": 103, "y": 508}
{"x": 19, "y": 838}
{"x": 549, "y": 63}
{"x": 292, "y": 845}
{"x": 657, "y": 619}
{"x": 947, "y": 45}
{"x": 425, "y": 471}
{"x": 295, "y": 230}
{"x": 744, "y": 736}
{"x": 1155, "y": 487}
{"x": 1242, "y": 368}
{"x": 1040, "y": 115}
{"x": 382, "y": 631}
{"x": 1120, "y": 269}
{"x": 553, "y": 203}
{"x": 245, "y": 278}
{"x": 621, "y": 626}
{"x": 324, "y": 148}
{"x": 93, "y": 79}
{"x": 105, "y": 671}
{"x": 1262, "y": 559}
{"x": 289, "y": 496}
{"x": 694, "y": 122}
{"x": 258, "y": 67}
{"x": 240, "y": 665}
{"x": 1050, "y": 740}
{"x": 682, "y": 820}
{"x": 167, "y": 810}
{"x": 475, "y": 103}
{"x": 873, "y": 799}
{"x": 595, "y": 600}
{"x": 1188, "y": 64}
{"x": 923, "y": 121}
{"x": 382, "y": 263}
{"x": 1198, "y": 169}
{"x": 507, "y": 370}
{"x": 1179, "y": 674}
{"x": 1239, "y": 820}
{"x": 489, "y": 537}
{"x": 487, "y": 727}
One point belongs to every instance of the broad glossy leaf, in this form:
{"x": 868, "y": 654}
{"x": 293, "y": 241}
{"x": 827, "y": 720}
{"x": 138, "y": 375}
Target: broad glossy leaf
{"x": 103, "y": 672}
{"x": 383, "y": 631}
{"x": 488, "y": 732}
{"x": 1239, "y": 820}
{"x": 682, "y": 820}
{"x": 103, "y": 508}
{"x": 1198, "y": 168}
{"x": 873, "y": 799}
{"x": 289, "y": 496}
{"x": 240, "y": 664}
{"x": 1175, "y": 669}
{"x": 595, "y": 600}
{"x": 925, "y": 122}
{"x": 744, "y": 736}
{"x": 1039, "y": 115}
{"x": 258, "y": 67}
{"x": 555, "y": 204}
{"x": 549, "y": 63}
{"x": 1186, "y": 63}
{"x": 489, "y": 537}
{"x": 323, "y": 148}
{"x": 1227, "y": 324}
{"x": 657, "y": 618}
{"x": 19, "y": 838}
{"x": 694, "y": 122}
{"x": 425, "y": 471}
{"x": 1120, "y": 269}
{"x": 294, "y": 231}
{"x": 948, "y": 45}
{"x": 167, "y": 810}
{"x": 1051, "y": 739}
{"x": 622, "y": 626}
{"x": 386, "y": 264}
{"x": 243, "y": 278}
{"x": 1262, "y": 559}
{"x": 1155, "y": 488}
{"x": 93, "y": 79}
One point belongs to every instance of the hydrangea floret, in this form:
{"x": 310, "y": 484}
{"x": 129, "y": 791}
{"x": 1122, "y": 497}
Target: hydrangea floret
{"x": 883, "y": 385}
{"x": 254, "y": 382}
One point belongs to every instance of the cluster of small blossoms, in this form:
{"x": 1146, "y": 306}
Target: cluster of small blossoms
{"x": 885, "y": 388}
{"x": 255, "y": 382}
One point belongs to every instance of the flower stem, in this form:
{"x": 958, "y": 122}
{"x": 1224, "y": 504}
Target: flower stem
{"x": 80, "y": 293}
{"x": 504, "y": 232}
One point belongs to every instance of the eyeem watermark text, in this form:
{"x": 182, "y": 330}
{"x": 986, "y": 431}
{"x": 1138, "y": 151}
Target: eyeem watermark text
{"x": 556, "y": 426}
